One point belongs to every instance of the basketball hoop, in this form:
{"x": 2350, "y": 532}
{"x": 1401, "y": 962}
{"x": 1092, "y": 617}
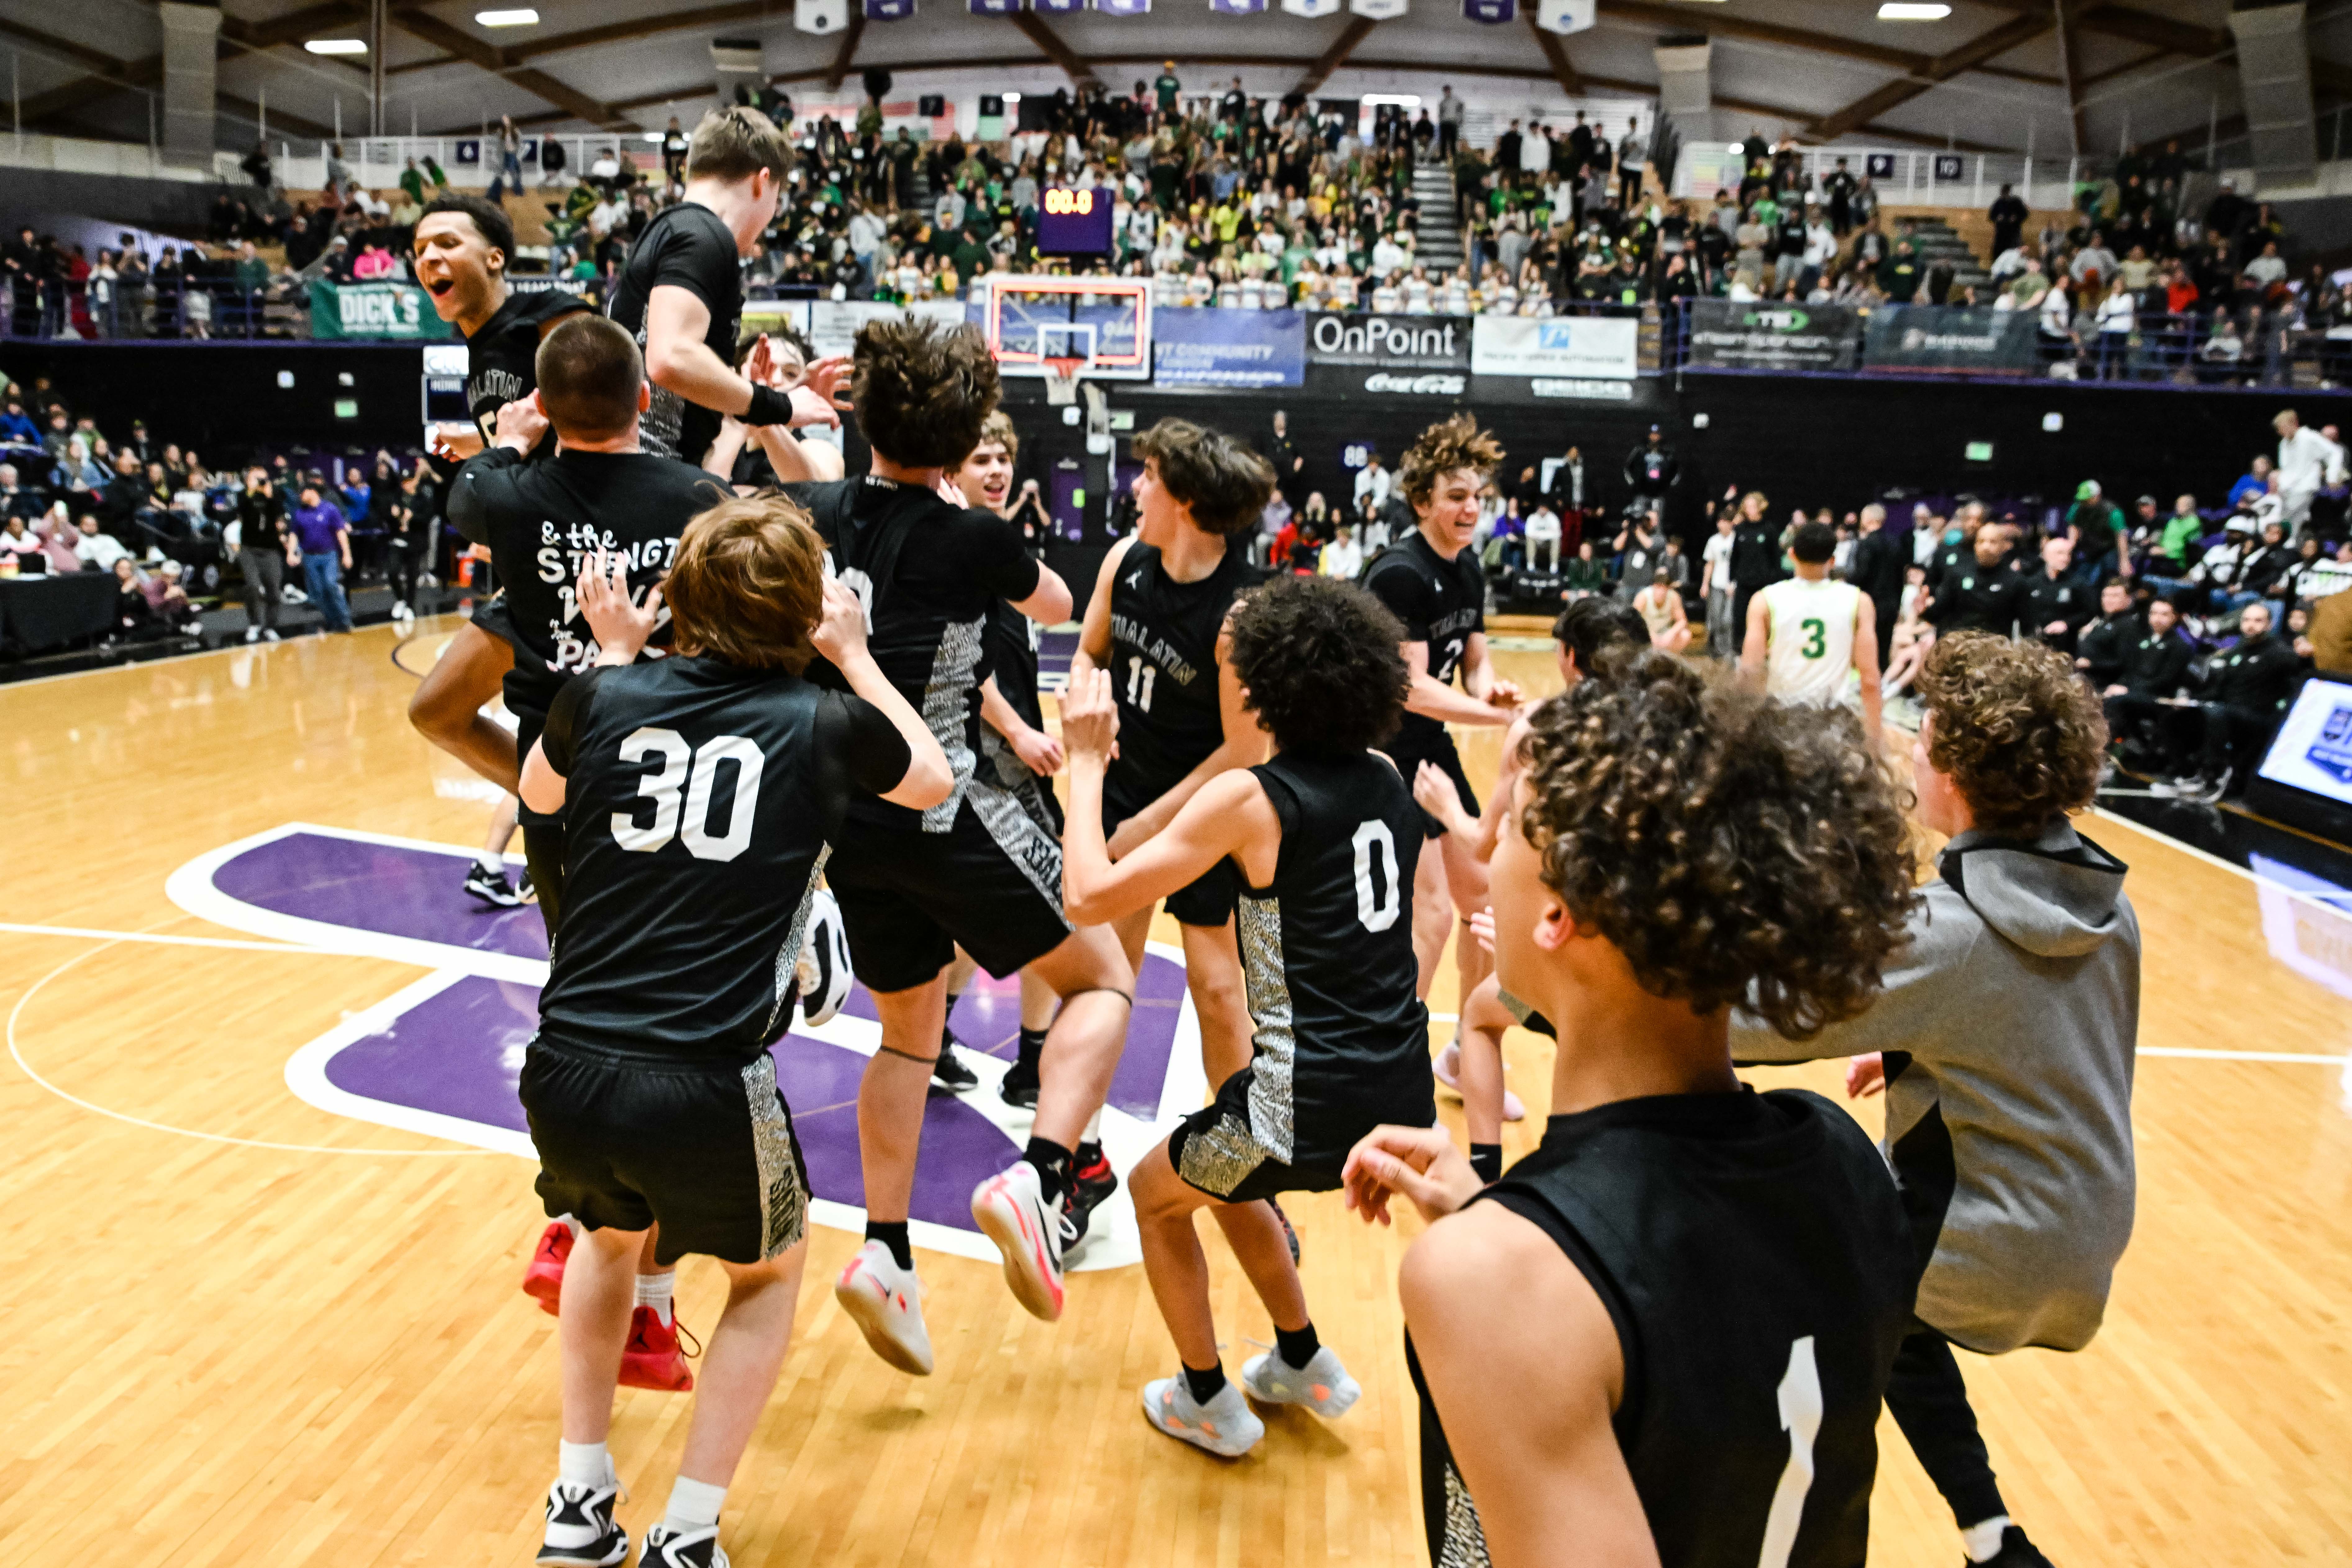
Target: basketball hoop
{"x": 1062, "y": 379}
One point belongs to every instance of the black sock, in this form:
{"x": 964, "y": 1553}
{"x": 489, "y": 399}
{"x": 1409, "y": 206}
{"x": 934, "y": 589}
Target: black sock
{"x": 1486, "y": 1159}
{"x": 1297, "y": 1346}
{"x": 1087, "y": 1154}
{"x": 1205, "y": 1386}
{"x": 892, "y": 1234}
{"x": 1032, "y": 1048}
{"x": 1053, "y": 1163}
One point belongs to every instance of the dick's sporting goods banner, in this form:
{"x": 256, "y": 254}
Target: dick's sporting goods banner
{"x": 1555, "y": 346}
{"x": 1963, "y": 339}
{"x": 397, "y": 310}
{"x": 1773, "y": 336}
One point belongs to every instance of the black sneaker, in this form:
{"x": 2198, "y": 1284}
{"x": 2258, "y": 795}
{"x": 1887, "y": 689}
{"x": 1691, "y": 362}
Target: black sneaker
{"x": 579, "y": 1528}
{"x": 1092, "y": 1181}
{"x": 666, "y": 1548}
{"x": 492, "y": 887}
{"x": 2016, "y": 1551}
{"x": 951, "y": 1073}
{"x": 1289, "y": 1234}
{"x": 1019, "y": 1087}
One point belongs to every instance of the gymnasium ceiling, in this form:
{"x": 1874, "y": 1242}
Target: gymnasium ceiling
{"x": 2065, "y": 74}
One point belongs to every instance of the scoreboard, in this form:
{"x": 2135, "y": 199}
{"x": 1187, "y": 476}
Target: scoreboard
{"x": 1072, "y": 222}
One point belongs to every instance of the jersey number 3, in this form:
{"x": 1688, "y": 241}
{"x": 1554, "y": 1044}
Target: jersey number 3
{"x": 1376, "y": 908}
{"x": 677, "y": 760}
{"x": 1816, "y": 637}
{"x": 1801, "y": 1415}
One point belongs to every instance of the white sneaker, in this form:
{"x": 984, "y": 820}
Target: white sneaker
{"x": 1448, "y": 1069}
{"x": 668, "y": 1548}
{"x": 1225, "y": 1426}
{"x": 886, "y": 1302}
{"x": 579, "y": 1528}
{"x": 1322, "y": 1385}
{"x": 253, "y": 634}
{"x": 1011, "y": 1210}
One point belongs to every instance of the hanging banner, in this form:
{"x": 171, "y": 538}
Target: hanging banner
{"x": 1228, "y": 348}
{"x": 397, "y": 310}
{"x": 1772, "y": 336}
{"x": 1960, "y": 339}
{"x": 1237, "y": 7}
{"x": 1311, "y": 7}
{"x": 888, "y": 10}
{"x": 1493, "y": 13}
{"x": 994, "y": 8}
{"x": 1377, "y": 10}
{"x": 1123, "y": 8}
{"x": 1555, "y": 346}
{"x": 1057, "y": 8}
{"x": 1388, "y": 342}
{"x": 1566, "y": 15}
{"x": 820, "y": 16}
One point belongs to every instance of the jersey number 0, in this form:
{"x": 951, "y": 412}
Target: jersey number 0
{"x": 1377, "y": 908}
{"x": 678, "y": 761}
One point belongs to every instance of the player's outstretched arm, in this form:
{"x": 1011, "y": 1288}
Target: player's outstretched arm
{"x": 1526, "y": 1397}
{"x": 1242, "y": 746}
{"x": 1094, "y": 634}
{"x": 1050, "y": 604}
{"x": 679, "y": 360}
{"x": 1230, "y": 816}
{"x": 840, "y": 637}
{"x": 1434, "y": 698}
{"x": 1479, "y": 679}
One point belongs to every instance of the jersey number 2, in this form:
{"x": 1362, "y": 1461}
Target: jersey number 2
{"x": 1378, "y": 909}
{"x": 678, "y": 760}
{"x": 1801, "y": 1417}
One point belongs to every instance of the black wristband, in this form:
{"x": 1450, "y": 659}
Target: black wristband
{"x": 769, "y": 406}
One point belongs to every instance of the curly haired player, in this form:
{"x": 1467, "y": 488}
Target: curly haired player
{"x": 2007, "y": 1028}
{"x": 1674, "y": 845}
{"x": 1342, "y": 1040}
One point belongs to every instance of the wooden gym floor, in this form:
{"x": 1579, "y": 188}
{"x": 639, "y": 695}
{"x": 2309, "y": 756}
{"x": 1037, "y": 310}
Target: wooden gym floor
{"x": 245, "y": 1330}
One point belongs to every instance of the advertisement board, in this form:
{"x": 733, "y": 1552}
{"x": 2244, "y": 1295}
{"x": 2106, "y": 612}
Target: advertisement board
{"x": 1391, "y": 343}
{"x": 1773, "y": 336}
{"x": 1228, "y": 348}
{"x": 400, "y": 311}
{"x": 1973, "y": 338}
{"x": 1568, "y": 347}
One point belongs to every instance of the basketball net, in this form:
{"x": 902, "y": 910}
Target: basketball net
{"x": 1062, "y": 380}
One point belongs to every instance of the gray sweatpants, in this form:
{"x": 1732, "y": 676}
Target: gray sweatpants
{"x": 265, "y": 579}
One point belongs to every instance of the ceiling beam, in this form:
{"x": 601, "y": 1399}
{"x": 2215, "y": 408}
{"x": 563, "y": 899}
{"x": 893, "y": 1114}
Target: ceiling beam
{"x": 612, "y": 33}
{"x": 1555, "y": 53}
{"x": 109, "y": 75}
{"x": 1049, "y": 44}
{"x": 2070, "y": 69}
{"x": 1682, "y": 19}
{"x": 847, "y": 52}
{"x": 489, "y": 58}
{"x": 1357, "y": 30}
{"x": 1942, "y": 68}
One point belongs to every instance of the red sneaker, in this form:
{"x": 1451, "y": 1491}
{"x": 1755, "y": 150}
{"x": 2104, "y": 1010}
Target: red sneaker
{"x": 652, "y": 1359}
{"x": 543, "y": 1281}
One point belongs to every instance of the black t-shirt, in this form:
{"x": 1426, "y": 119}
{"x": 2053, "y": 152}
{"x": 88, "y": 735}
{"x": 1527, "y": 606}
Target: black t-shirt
{"x": 930, "y": 576}
{"x": 1756, "y": 554}
{"x": 542, "y": 519}
{"x": 1441, "y": 603}
{"x": 702, "y": 796}
{"x": 2259, "y": 674}
{"x": 1752, "y": 1253}
{"x": 687, "y": 246}
{"x": 1011, "y": 643}
{"x": 1163, "y": 673}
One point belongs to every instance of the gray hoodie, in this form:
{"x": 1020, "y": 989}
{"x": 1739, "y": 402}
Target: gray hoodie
{"x": 2009, "y": 1027}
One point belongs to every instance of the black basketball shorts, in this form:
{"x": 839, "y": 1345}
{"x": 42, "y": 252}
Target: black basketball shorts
{"x": 496, "y": 617}
{"x": 1409, "y": 755}
{"x": 704, "y": 1148}
{"x": 1208, "y": 898}
{"x": 1216, "y": 1150}
{"x": 992, "y": 884}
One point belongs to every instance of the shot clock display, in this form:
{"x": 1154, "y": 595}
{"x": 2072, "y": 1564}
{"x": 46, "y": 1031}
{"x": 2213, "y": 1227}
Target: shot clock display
{"x": 1074, "y": 222}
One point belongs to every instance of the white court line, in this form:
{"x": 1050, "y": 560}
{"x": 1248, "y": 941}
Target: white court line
{"x": 158, "y": 938}
{"x": 17, "y": 1055}
{"x": 2169, "y": 842}
{"x": 2193, "y": 1054}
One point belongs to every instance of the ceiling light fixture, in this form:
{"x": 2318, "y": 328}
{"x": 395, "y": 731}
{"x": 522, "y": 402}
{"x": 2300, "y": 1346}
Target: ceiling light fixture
{"x": 1912, "y": 11}
{"x": 522, "y": 18}
{"x": 336, "y": 45}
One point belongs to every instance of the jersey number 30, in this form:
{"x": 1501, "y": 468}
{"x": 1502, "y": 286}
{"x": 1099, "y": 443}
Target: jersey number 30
{"x": 678, "y": 760}
{"x": 1377, "y": 908}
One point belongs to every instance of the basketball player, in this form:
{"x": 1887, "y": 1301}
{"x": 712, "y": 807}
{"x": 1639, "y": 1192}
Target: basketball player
{"x": 680, "y": 293}
{"x": 1805, "y": 633}
{"x": 1017, "y": 753}
{"x": 705, "y": 787}
{"x": 1318, "y": 835}
{"x": 1704, "y": 1285}
{"x": 1156, "y": 623}
{"x": 975, "y": 871}
{"x": 1474, "y": 1063}
{"x": 2007, "y": 1028}
{"x": 599, "y": 491}
{"x": 1432, "y": 582}
{"x": 460, "y": 251}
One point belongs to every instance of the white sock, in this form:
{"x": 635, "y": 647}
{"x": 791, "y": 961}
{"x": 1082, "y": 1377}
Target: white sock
{"x": 571, "y": 1223}
{"x": 491, "y": 860}
{"x": 1093, "y": 1134}
{"x": 1981, "y": 1540}
{"x": 693, "y": 1505}
{"x": 655, "y": 1291}
{"x": 583, "y": 1464}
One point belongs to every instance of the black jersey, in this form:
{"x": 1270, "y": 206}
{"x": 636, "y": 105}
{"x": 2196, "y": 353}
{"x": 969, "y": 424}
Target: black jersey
{"x": 701, "y": 798}
{"x": 1163, "y": 672}
{"x": 1441, "y": 603}
{"x": 502, "y": 357}
{"x": 1752, "y": 1253}
{"x": 1012, "y": 642}
{"x": 930, "y": 576}
{"x": 686, "y": 246}
{"x": 1342, "y": 1040}
{"x": 542, "y": 519}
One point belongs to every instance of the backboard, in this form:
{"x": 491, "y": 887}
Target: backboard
{"x": 1104, "y": 321}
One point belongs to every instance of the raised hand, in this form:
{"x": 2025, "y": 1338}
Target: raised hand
{"x": 1090, "y": 717}
{"x": 1419, "y": 1162}
{"x": 840, "y": 632}
{"x": 621, "y": 627}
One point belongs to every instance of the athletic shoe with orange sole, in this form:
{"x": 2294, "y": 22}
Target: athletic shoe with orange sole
{"x": 543, "y": 1281}
{"x": 1011, "y": 1210}
{"x": 652, "y": 1358}
{"x": 886, "y": 1302}
{"x": 1227, "y": 1426}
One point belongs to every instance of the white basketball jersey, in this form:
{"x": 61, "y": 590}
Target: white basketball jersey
{"x": 1811, "y": 646}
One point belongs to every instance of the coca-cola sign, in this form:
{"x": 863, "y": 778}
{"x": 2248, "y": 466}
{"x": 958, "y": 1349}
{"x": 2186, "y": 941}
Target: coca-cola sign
{"x": 1431, "y": 384}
